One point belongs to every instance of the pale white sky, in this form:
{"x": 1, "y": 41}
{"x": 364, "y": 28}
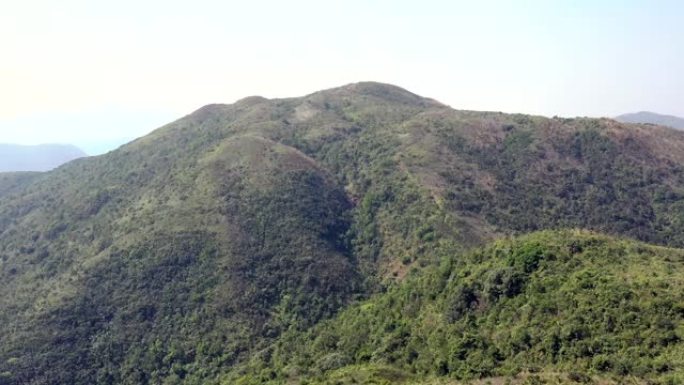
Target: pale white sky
{"x": 96, "y": 73}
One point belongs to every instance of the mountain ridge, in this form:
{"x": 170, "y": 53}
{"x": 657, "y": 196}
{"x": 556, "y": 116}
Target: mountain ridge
{"x": 187, "y": 253}
{"x": 647, "y": 117}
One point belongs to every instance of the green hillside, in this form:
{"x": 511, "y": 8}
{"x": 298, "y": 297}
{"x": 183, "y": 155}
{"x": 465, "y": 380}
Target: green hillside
{"x": 15, "y": 181}
{"x": 566, "y": 302}
{"x": 183, "y": 256}
{"x": 192, "y": 270}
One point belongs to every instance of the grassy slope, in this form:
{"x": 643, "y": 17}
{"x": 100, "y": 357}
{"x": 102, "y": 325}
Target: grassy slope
{"x": 182, "y": 253}
{"x": 566, "y": 302}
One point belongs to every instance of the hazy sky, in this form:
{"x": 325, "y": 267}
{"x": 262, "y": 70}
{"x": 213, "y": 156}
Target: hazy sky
{"x": 95, "y": 73}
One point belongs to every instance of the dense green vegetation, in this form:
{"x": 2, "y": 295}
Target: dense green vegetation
{"x": 181, "y": 289}
{"x": 562, "y": 301}
{"x": 278, "y": 240}
{"x": 14, "y": 181}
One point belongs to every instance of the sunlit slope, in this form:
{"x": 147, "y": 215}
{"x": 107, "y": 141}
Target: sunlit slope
{"x": 571, "y": 303}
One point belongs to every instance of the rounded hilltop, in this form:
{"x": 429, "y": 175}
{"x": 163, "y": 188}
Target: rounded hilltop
{"x": 384, "y": 91}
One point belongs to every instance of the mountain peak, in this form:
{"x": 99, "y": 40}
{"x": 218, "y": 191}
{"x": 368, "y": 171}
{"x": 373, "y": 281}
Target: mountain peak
{"x": 372, "y": 87}
{"x": 383, "y": 91}
{"x": 251, "y": 100}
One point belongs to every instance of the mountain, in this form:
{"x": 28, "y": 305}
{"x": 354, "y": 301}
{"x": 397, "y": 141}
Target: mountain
{"x": 195, "y": 254}
{"x": 645, "y": 117}
{"x": 44, "y": 157}
{"x": 572, "y": 300}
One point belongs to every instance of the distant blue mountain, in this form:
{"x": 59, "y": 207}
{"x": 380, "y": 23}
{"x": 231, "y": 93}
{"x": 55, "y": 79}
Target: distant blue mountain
{"x": 44, "y": 157}
{"x": 652, "y": 118}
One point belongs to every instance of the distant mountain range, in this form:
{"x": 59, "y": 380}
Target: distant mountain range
{"x": 652, "y": 118}
{"x": 44, "y": 157}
